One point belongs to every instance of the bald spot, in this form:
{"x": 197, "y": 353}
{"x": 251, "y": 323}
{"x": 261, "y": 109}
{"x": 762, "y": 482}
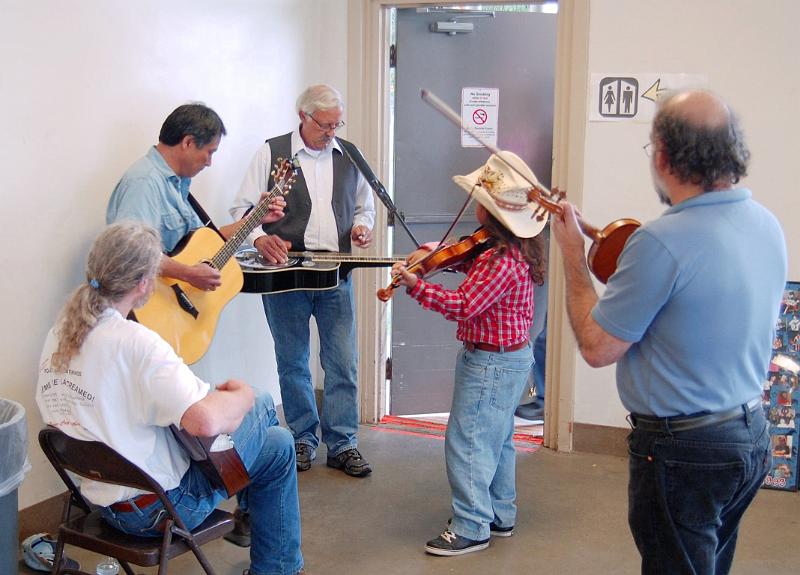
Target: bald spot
{"x": 700, "y": 109}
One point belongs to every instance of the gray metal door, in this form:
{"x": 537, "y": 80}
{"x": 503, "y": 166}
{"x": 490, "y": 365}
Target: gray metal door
{"x": 513, "y": 52}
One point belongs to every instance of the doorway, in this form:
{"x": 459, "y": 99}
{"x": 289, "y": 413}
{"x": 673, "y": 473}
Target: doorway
{"x": 507, "y": 52}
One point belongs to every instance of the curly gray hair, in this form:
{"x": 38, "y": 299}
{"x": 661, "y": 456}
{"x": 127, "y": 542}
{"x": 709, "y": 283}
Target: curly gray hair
{"x": 709, "y": 154}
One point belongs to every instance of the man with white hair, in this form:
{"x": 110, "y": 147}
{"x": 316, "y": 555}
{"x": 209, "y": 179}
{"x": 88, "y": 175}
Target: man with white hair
{"x": 330, "y": 207}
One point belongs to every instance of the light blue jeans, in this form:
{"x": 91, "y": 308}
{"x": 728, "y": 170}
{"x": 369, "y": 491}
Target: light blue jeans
{"x": 479, "y": 447}
{"x": 288, "y": 315}
{"x": 271, "y": 498}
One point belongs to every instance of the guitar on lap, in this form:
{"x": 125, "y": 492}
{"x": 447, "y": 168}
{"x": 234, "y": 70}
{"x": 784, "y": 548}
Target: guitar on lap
{"x": 218, "y": 459}
{"x": 185, "y": 316}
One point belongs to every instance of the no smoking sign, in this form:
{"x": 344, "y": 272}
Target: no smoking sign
{"x": 479, "y": 112}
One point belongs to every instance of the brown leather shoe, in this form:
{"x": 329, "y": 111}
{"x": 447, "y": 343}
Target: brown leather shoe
{"x": 241, "y": 529}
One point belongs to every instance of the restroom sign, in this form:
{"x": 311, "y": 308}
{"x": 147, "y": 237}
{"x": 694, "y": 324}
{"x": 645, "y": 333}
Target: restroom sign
{"x": 480, "y": 108}
{"x": 634, "y": 96}
{"x": 619, "y": 97}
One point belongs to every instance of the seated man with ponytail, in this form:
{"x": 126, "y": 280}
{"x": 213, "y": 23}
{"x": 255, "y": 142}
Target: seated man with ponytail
{"x": 105, "y": 378}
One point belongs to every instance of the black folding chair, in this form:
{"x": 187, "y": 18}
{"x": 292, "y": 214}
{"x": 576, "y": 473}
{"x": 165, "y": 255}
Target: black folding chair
{"x": 97, "y": 461}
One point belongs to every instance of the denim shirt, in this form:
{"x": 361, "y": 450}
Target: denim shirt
{"x": 152, "y": 193}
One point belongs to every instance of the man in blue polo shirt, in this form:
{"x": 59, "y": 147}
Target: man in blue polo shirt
{"x": 688, "y": 317}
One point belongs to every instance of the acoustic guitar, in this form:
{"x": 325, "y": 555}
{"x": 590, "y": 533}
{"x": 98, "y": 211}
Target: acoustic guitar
{"x": 302, "y": 271}
{"x": 185, "y": 316}
{"x": 218, "y": 460}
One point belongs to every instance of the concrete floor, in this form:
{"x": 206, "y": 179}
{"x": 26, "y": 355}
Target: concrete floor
{"x": 572, "y": 519}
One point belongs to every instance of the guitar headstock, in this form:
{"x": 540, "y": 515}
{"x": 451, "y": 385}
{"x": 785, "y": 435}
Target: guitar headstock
{"x": 284, "y": 174}
{"x": 547, "y": 201}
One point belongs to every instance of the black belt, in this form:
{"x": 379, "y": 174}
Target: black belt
{"x": 472, "y": 346}
{"x": 683, "y": 423}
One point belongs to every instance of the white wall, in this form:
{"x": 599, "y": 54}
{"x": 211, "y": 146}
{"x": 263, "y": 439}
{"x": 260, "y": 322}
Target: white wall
{"x": 84, "y": 87}
{"x": 748, "y": 51}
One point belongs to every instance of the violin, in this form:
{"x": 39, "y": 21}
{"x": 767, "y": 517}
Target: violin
{"x": 607, "y": 244}
{"x": 440, "y": 259}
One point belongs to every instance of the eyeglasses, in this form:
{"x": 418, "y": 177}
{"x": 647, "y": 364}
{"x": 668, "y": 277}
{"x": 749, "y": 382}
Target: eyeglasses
{"x": 648, "y": 149}
{"x": 327, "y": 127}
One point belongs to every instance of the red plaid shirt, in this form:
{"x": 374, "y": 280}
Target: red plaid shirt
{"x": 493, "y": 305}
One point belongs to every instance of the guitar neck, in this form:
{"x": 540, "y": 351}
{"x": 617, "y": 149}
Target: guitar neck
{"x": 348, "y": 260}
{"x": 282, "y": 182}
{"x": 250, "y": 222}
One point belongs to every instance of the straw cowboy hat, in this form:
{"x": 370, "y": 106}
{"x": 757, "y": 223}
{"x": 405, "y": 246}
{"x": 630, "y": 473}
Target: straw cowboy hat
{"x": 504, "y": 193}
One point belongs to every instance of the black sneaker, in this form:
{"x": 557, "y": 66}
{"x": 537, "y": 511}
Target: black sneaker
{"x": 351, "y": 462}
{"x": 301, "y": 572}
{"x": 241, "y": 529}
{"x": 530, "y": 411}
{"x": 448, "y": 544}
{"x": 304, "y": 455}
{"x": 496, "y": 531}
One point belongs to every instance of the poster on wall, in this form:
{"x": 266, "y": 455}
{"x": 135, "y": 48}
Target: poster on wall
{"x": 781, "y": 394}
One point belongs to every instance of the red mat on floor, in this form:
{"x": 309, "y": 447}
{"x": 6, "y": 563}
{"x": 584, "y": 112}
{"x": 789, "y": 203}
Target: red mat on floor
{"x": 392, "y": 423}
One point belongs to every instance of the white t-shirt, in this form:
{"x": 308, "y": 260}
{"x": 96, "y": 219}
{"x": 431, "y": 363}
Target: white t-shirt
{"x": 124, "y": 388}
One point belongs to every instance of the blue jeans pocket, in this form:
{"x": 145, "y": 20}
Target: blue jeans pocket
{"x": 504, "y": 386}
{"x": 144, "y": 522}
{"x": 697, "y": 491}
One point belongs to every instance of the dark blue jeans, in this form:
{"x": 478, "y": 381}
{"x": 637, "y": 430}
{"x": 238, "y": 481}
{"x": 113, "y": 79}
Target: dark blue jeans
{"x": 688, "y": 491}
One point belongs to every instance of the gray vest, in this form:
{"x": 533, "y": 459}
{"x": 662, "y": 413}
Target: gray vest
{"x": 292, "y": 226}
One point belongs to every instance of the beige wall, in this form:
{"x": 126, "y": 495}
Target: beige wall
{"x": 84, "y": 89}
{"x": 748, "y": 51}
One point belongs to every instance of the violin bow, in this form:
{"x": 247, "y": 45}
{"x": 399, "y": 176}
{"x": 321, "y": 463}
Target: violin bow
{"x": 435, "y": 102}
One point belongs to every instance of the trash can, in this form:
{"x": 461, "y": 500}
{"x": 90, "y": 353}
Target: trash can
{"x": 14, "y": 458}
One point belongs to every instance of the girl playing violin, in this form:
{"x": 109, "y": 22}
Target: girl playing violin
{"x": 494, "y": 310}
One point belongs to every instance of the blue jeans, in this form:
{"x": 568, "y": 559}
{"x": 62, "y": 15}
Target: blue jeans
{"x": 688, "y": 491}
{"x": 288, "y": 315}
{"x": 540, "y": 338}
{"x": 271, "y": 498}
{"x": 539, "y": 357}
{"x": 479, "y": 447}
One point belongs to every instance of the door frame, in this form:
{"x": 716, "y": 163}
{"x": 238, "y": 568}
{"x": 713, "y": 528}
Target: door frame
{"x": 367, "y": 54}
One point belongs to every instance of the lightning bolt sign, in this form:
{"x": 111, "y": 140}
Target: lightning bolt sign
{"x": 654, "y": 92}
